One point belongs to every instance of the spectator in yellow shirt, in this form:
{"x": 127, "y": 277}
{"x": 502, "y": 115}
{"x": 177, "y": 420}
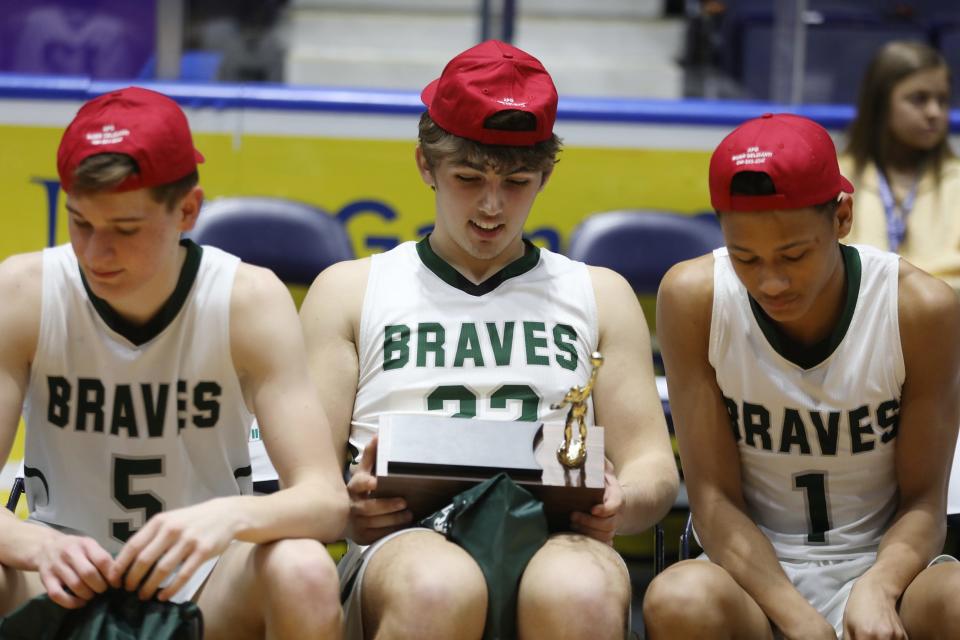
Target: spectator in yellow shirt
{"x": 899, "y": 158}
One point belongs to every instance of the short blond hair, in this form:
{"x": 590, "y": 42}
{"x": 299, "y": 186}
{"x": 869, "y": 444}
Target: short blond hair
{"x": 105, "y": 172}
{"x": 439, "y": 144}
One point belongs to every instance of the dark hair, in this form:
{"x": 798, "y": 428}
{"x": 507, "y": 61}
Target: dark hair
{"x": 511, "y": 120}
{"x": 439, "y": 144}
{"x": 868, "y": 137}
{"x": 758, "y": 183}
{"x": 106, "y": 171}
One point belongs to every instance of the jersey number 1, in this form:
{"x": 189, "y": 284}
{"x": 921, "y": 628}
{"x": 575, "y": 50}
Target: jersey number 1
{"x": 814, "y": 485}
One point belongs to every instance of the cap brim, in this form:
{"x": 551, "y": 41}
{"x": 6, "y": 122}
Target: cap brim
{"x": 845, "y": 185}
{"x": 198, "y": 156}
{"x": 428, "y": 93}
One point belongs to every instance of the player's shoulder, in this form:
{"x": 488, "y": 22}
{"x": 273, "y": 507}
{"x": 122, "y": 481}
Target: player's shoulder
{"x": 22, "y": 265}
{"x": 347, "y": 273}
{"x": 256, "y": 285}
{"x": 339, "y": 288}
{"x": 925, "y": 303}
{"x": 21, "y": 275}
{"x": 344, "y": 279}
{"x": 688, "y": 284}
{"x": 258, "y": 299}
{"x": 21, "y": 280}
{"x": 617, "y": 305}
{"x": 608, "y": 284}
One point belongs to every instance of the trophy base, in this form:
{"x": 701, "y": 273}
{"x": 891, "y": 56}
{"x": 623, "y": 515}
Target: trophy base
{"x": 427, "y": 460}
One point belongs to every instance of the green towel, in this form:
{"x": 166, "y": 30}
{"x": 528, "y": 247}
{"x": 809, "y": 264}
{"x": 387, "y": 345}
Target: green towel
{"x": 114, "y": 615}
{"x": 501, "y": 526}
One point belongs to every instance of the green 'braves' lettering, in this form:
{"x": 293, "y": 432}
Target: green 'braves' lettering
{"x": 794, "y": 433}
{"x": 86, "y": 403}
{"x": 431, "y": 344}
{"x": 396, "y": 353}
{"x": 90, "y": 394}
{"x": 205, "y": 401}
{"x": 798, "y": 431}
{"x": 756, "y": 422}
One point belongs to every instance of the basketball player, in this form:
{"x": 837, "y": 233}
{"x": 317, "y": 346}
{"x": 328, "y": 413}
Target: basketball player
{"x": 137, "y": 359}
{"x": 476, "y": 322}
{"x": 814, "y": 388}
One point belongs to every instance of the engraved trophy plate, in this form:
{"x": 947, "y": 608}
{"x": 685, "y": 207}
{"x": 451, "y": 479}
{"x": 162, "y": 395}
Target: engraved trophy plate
{"x": 429, "y": 459}
{"x": 423, "y": 444}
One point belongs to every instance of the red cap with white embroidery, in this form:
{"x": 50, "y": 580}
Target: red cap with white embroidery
{"x": 486, "y": 79}
{"x": 145, "y": 125}
{"x": 795, "y": 152}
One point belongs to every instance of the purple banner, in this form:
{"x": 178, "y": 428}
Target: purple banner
{"x": 101, "y": 39}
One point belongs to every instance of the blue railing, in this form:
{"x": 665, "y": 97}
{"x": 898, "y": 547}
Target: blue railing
{"x": 691, "y": 112}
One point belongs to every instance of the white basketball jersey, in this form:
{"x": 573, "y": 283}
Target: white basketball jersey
{"x": 816, "y": 444}
{"x": 121, "y": 426}
{"x": 432, "y": 342}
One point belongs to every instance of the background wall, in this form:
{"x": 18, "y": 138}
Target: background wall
{"x": 358, "y": 165}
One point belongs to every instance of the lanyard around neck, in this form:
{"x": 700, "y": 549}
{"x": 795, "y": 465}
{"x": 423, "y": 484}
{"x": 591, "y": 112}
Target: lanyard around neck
{"x": 896, "y": 215}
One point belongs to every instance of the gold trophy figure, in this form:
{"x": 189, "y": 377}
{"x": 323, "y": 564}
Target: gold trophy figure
{"x": 573, "y": 454}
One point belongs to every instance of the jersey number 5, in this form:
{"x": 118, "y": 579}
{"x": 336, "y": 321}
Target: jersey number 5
{"x": 125, "y": 471}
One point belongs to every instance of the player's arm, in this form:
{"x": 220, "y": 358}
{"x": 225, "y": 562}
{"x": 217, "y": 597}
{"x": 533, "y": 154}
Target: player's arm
{"x": 331, "y": 324}
{"x": 62, "y": 561}
{"x": 929, "y": 414}
{"x": 330, "y": 315}
{"x": 332, "y": 335}
{"x": 268, "y": 353}
{"x": 628, "y": 407}
{"x": 19, "y": 325}
{"x": 711, "y": 462}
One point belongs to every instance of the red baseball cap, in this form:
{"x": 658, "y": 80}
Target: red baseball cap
{"x": 797, "y": 154}
{"x": 145, "y": 125}
{"x": 486, "y": 79}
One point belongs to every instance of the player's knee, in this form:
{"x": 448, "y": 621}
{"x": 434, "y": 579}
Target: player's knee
{"x": 574, "y": 607}
{"x": 663, "y": 599}
{"x": 419, "y": 585}
{"x": 585, "y": 583}
{"x": 683, "y": 588}
{"x": 436, "y": 598}
{"x": 459, "y": 586}
{"x": 593, "y": 582}
{"x": 16, "y": 587}
{"x": 929, "y": 608}
{"x": 948, "y": 585}
{"x": 299, "y": 567}
{"x": 9, "y": 581}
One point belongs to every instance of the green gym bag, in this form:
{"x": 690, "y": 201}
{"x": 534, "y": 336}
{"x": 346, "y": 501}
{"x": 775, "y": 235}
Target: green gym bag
{"x": 113, "y": 615}
{"x": 501, "y": 526}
